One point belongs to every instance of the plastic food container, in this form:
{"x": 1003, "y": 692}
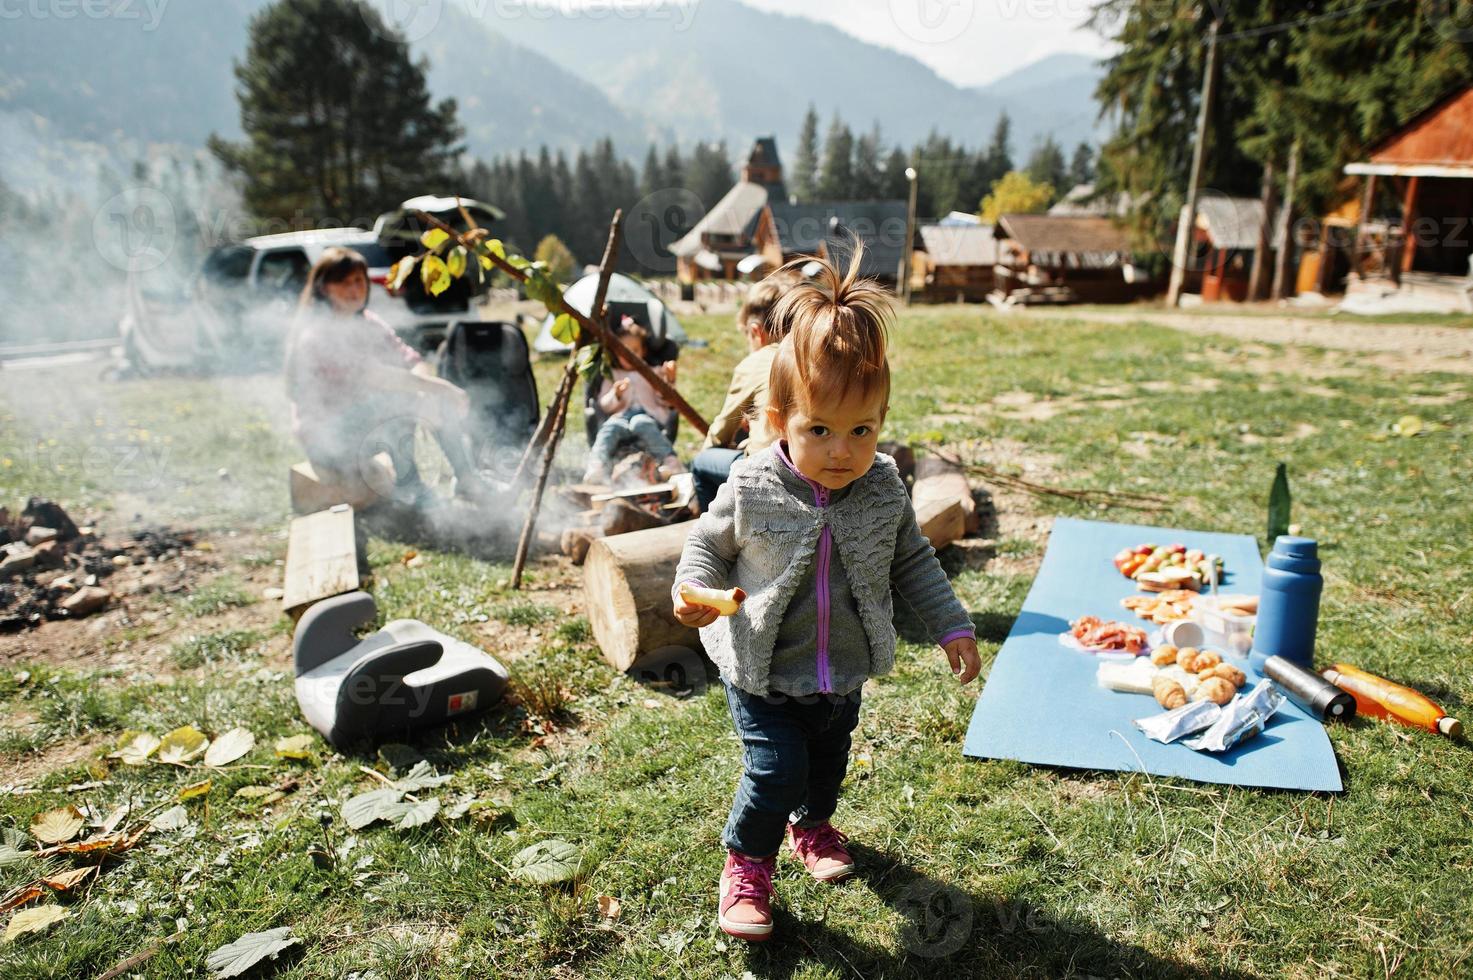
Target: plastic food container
{"x": 1229, "y": 631}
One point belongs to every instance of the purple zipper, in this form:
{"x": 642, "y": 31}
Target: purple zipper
{"x": 821, "y": 574}
{"x": 825, "y": 552}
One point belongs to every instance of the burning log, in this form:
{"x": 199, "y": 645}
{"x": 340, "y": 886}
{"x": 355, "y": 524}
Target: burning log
{"x": 626, "y": 581}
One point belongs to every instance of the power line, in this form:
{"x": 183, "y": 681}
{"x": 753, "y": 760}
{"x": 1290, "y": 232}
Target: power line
{"x": 1290, "y": 25}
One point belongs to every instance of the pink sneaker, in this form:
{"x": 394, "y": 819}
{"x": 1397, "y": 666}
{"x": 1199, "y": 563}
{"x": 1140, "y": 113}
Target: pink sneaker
{"x": 822, "y": 851}
{"x": 745, "y": 908}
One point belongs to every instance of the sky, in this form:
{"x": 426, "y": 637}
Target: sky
{"x": 967, "y": 42}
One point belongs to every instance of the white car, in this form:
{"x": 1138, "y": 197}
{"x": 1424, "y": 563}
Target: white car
{"x": 236, "y": 311}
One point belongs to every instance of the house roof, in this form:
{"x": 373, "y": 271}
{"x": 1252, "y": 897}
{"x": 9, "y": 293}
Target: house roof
{"x": 1075, "y": 234}
{"x": 735, "y": 214}
{"x": 828, "y": 225}
{"x": 959, "y": 244}
{"x": 1441, "y": 136}
{"x": 1230, "y": 222}
{"x": 764, "y": 152}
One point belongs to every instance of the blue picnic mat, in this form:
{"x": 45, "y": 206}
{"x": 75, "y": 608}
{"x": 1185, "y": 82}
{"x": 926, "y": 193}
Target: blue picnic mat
{"x": 1042, "y": 705}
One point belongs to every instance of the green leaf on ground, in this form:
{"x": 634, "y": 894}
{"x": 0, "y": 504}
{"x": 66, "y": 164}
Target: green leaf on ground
{"x": 235, "y": 958}
{"x": 233, "y": 745}
{"x": 546, "y": 862}
{"x": 34, "y": 920}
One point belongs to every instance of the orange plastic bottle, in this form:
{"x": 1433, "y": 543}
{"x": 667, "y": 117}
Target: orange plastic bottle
{"x": 1380, "y": 698}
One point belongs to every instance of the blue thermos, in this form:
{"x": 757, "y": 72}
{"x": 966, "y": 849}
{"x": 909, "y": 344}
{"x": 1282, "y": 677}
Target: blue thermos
{"x": 1289, "y": 608}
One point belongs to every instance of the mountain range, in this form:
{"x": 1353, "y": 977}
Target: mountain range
{"x": 719, "y": 70}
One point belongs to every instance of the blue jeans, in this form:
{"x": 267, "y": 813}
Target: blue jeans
{"x": 795, "y": 752}
{"x": 633, "y": 426}
{"x": 711, "y": 468}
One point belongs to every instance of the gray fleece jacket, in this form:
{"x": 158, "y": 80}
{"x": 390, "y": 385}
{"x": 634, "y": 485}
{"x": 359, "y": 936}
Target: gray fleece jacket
{"x": 818, "y": 567}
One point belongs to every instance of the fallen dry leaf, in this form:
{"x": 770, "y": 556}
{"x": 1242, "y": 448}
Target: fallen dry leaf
{"x": 55, "y": 826}
{"x": 195, "y": 789}
{"x": 134, "y": 748}
{"x": 295, "y": 747}
{"x": 34, "y": 920}
{"x": 65, "y": 881}
{"x": 182, "y": 745}
{"x": 19, "y": 897}
{"x": 609, "y": 907}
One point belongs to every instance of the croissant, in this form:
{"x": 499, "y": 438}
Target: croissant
{"x": 1216, "y": 690}
{"x": 1193, "y": 660}
{"x": 1164, "y": 656}
{"x": 1169, "y": 694}
{"x": 726, "y": 602}
{"x": 1227, "y": 672}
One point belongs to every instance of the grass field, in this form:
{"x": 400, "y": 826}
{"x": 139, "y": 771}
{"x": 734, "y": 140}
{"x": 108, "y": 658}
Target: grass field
{"x": 968, "y": 868}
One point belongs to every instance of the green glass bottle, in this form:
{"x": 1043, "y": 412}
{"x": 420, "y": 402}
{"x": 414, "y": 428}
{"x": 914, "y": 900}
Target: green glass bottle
{"x": 1278, "y": 505}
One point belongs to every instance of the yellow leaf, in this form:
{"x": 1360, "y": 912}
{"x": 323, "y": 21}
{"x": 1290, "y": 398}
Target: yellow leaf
{"x": 433, "y": 239}
{"x": 65, "y": 881}
{"x": 229, "y": 747}
{"x": 434, "y": 274}
{"x": 200, "y": 788}
{"x": 182, "y": 744}
{"x": 399, "y": 273}
{"x": 134, "y": 748}
{"x": 55, "y": 826}
{"x": 455, "y": 261}
{"x": 22, "y": 895}
{"x": 295, "y": 747}
{"x": 34, "y": 920}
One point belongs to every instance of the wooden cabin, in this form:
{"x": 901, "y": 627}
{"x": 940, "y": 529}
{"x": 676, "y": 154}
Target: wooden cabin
{"x": 723, "y": 237}
{"x": 828, "y": 229}
{"x": 1048, "y": 258}
{"x": 1229, "y": 230}
{"x": 954, "y": 263}
{"x": 1413, "y": 230}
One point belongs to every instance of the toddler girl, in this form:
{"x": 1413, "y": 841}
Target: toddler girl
{"x": 816, "y": 529}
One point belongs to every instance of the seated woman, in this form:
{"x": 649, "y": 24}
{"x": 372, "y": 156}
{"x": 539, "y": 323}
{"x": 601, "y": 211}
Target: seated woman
{"x": 739, "y": 429}
{"x": 357, "y": 390}
{"x": 637, "y": 413}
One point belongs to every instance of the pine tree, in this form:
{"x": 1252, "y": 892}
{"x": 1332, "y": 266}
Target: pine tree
{"x": 868, "y": 177}
{"x": 1082, "y": 165}
{"x": 560, "y": 262}
{"x": 1046, "y": 166}
{"x": 652, "y": 177}
{"x": 804, "y": 183}
{"x": 1000, "y": 150}
{"x": 709, "y": 175}
{"x": 337, "y": 117}
{"x": 674, "y": 167}
{"x": 836, "y": 181}
{"x": 895, "y": 185}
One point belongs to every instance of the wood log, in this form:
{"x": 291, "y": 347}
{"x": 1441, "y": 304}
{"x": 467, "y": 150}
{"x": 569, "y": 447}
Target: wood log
{"x": 577, "y": 540}
{"x": 314, "y": 489}
{"x": 939, "y": 479}
{"x": 622, "y": 517}
{"x": 626, "y": 582}
{"x": 942, "y": 522}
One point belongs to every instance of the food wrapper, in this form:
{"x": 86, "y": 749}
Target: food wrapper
{"x": 1243, "y": 718}
{"x": 1172, "y": 725}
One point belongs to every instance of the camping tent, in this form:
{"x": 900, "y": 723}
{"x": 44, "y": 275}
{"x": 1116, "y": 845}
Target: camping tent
{"x": 625, "y": 297}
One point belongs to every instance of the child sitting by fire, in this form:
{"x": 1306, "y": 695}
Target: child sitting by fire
{"x": 637, "y": 413}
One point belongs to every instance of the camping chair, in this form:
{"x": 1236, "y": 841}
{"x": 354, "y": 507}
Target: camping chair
{"x": 403, "y": 676}
{"x": 661, "y": 349}
{"x": 491, "y": 361}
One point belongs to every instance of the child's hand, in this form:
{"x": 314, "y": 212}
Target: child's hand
{"x": 962, "y": 652}
{"x": 691, "y": 614}
{"x": 621, "y": 386}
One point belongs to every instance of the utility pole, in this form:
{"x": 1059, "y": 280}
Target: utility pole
{"x": 902, "y": 283}
{"x": 1194, "y": 184}
{"x": 1281, "y": 233}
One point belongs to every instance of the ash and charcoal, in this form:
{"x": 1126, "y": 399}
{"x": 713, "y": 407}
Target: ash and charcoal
{"x": 51, "y": 568}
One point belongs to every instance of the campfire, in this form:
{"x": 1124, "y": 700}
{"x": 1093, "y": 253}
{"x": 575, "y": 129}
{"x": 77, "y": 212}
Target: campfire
{"x": 52, "y": 568}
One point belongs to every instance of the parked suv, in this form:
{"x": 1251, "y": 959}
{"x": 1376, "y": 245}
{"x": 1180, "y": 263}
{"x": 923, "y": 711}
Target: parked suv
{"x": 240, "y": 305}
